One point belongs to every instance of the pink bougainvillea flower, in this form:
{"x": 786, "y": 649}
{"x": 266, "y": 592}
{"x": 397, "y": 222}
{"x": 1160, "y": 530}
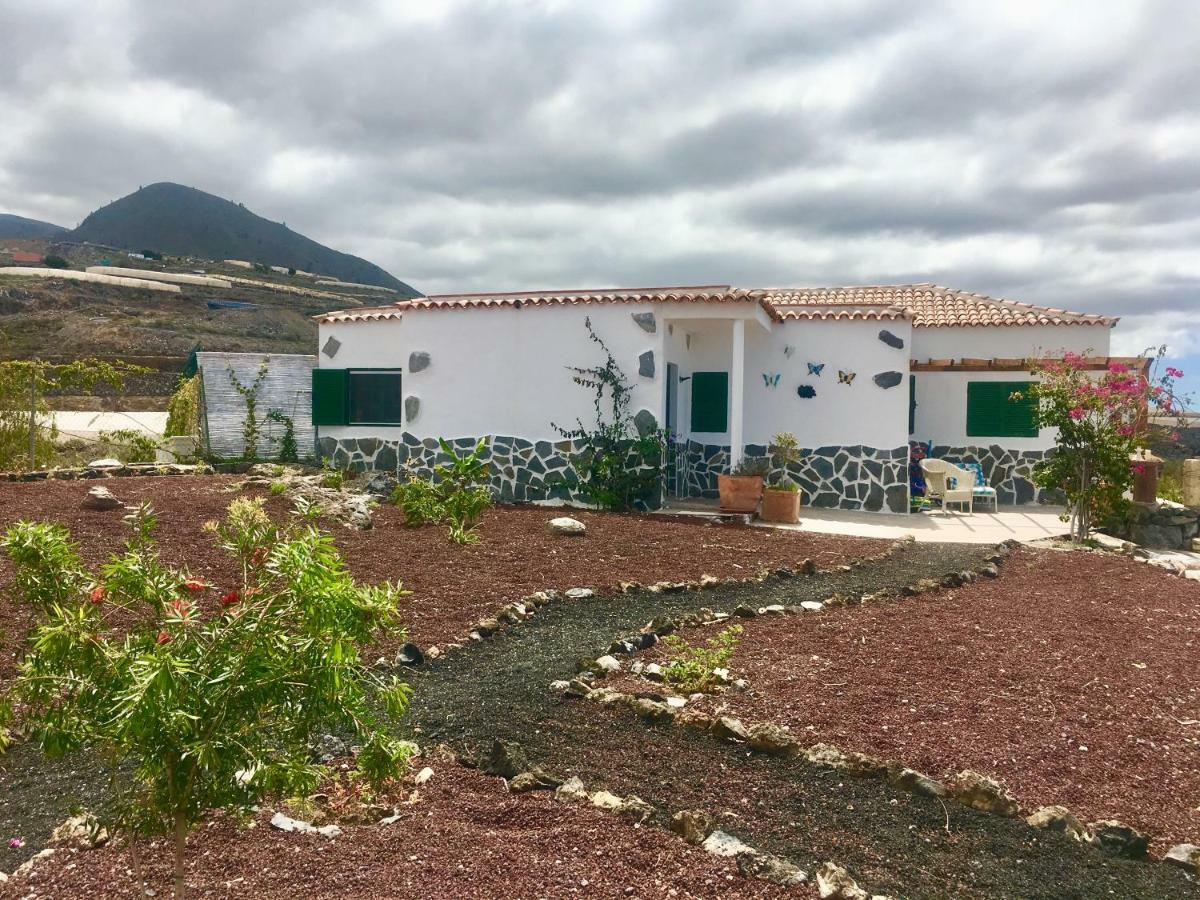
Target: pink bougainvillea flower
{"x": 1077, "y": 413}
{"x": 194, "y": 584}
{"x": 97, "y": 594}
{"x": 230, "y": 598}
{"x": 16, "y": 843}
{"x": 1173, "y": 372}
{"x": 163, "y": 638}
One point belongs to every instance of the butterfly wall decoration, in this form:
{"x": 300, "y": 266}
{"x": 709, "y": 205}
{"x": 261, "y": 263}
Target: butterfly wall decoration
{"x": 845, "y": 377}
{"x": 772, "y": 380}
{"x": 788, "y": 351}
{"x": 815, "y": 369}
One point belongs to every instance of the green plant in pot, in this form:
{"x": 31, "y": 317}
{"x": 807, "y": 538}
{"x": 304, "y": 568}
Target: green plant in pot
{"x": 742, "y": 488}
{"x": 781, "y": 499}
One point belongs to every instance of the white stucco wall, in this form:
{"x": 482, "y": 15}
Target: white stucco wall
{"x": 1008, "y": 342}
{"x": 501, "y": 371}
{"x": 941, "y": 416}
{"x": 859, "y": 413}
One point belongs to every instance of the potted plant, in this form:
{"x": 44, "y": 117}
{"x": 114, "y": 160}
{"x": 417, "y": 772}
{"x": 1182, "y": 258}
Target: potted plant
{"x": 781, "y": 500}
{"x": 742, "y": 488}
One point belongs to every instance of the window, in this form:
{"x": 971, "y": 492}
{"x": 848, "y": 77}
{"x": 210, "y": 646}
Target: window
{"x": 357, "y": 397}
{"x": 710, "y": 401}
{"x": 374, "y": 398}
{"x": 991, "y": 412}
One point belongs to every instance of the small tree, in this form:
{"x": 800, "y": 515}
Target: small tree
{"x": 458, "y": 495}
{"x": 196, "y": 711}
{"x": 27, "y": 433}
{"x": 620, "y": 467}
{"x": 1102, "y": 418}
{"x": 54, "y": 261}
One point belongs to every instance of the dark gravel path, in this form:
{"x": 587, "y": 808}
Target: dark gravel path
{"x": 894, "y": 842}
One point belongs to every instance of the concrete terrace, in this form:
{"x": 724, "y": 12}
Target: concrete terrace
{"x": 1021, "y": 523}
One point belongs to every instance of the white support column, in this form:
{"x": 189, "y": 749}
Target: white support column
{"x": 737, "y": 391}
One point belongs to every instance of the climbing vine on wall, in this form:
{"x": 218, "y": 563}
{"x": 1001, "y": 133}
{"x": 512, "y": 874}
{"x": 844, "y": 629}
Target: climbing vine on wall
{"x": 288, "y": 450}
{"x": 250, "y": 428}
{"x": 621, "y": 466}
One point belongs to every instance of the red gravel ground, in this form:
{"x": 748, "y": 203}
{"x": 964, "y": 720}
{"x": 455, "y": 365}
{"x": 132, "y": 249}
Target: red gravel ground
{"x": 1074, "y": 678}
{"x": 466, "y": 837}
{"x": 452, "y": 587}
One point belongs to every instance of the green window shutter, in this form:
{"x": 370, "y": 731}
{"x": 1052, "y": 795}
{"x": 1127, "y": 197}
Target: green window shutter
{"x": 710, "y": 401}
{"x": 990, "y": 412}
{"x": 329, "y": 397}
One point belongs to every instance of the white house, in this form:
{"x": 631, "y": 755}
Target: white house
{"x": 855, "y": 373}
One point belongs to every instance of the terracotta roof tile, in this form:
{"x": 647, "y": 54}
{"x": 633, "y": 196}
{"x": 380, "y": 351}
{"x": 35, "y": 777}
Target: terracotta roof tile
{"x": 361, "y": 314}
{"x": 934, "y": 306}
{"x": 927, "y": 305}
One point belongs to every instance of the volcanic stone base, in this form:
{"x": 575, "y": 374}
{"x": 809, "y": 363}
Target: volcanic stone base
{"x": 850, "y": 477}
{"x": 1010, "y": 472}
{"x": 521, "y": 470}
{"x": 1161, "y": 527}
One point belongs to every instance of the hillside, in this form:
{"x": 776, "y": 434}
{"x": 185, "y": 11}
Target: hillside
{"x": 20, "y": 228}
{"x": 183, "y": 221}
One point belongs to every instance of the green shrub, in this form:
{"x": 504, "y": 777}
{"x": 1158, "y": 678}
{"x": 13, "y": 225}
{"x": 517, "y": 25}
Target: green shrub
{"x": 195, "y": 711}
{"x": 785, "y": 452}
{"x": 53, "y": 261}
{"x": 278, "y": 488}
{"x": 331, "y": 476}
{"x": 691, "y": 667}
{"x": 458, "y": 495}
{"x": 183, "y": 409}
{"x": 129, "y": 445}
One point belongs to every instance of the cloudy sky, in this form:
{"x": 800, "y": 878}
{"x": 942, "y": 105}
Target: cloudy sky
{"x": 1048, "y": 152}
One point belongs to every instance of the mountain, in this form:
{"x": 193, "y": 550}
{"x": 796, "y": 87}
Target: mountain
{"x": 19, "y": 227}
{"x": 183, "y": 221}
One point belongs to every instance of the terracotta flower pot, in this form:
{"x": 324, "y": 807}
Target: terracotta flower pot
{"x": 740, "y": 493}
{"x": 781, "y": 506}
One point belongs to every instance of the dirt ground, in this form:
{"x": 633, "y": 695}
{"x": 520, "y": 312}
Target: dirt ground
{"x": 465, "y": 837}
{"x": 1072, "y": 678}
{"x": 452, "y": 587}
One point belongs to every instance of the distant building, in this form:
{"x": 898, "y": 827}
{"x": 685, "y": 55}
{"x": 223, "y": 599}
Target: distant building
{"x": 20, "y": 257}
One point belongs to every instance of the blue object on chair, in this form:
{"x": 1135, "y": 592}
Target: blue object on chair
{"x": 982, "y": 489}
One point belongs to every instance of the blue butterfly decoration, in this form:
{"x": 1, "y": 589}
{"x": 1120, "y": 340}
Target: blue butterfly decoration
{"x": 815, "y": 369}
{"x": 771, "y": 381}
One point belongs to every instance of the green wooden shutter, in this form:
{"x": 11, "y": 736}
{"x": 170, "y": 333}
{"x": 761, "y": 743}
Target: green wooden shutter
{"x": 990, "y": 412}
{"x": 710, "y": 401}
{"x": 329, "y": 397}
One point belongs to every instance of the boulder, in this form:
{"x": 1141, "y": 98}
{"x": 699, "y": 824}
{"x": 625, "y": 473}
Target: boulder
{"x": 693, "y": 825}
{"x": 423, "y": 777}
{"x": 328, "y": 747}
{"x": 1186, "y": 856}
{"x": 506, "y": 759}
{"x": 768, "y": 867}
{"x": 26, "y": 867}
{"x": 82, "y": 832}
{"x": 729, "y": 729}
{"x": 609, "y": 665}
{"x": 571, "y": 791}
{"x": 606, "y": 800}
{"x": 635, "y": 809}
{"x": 409, "y": 655}
{"x": 106, "y": 463}
{"x": 1118, "y": 839}
{"x": 772, "y": 739}
{"x": 101, "y": 498}
{"x": 983, "y": 793}
{"x": 566, "y": 526}
{"x": 835, "y": 883}
{"x": 579, "y": 593}
{"x": 1058, "y": 818}
{"x": 918, "y": 783}
{"x": 288, "y": 824}
{"x": 381, "y": 484}
{"x": 720, "y": 843}
{"x": 653, "y": 672}
{"x": 534, "y": 780}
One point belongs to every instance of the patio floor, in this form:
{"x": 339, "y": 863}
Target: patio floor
{"x": 1022, "y": 523}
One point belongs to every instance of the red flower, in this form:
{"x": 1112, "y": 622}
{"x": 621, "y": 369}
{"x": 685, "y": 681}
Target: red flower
{"x": 97, "y": 594}
{"x": 230, "y": 598}
{"x": 163, "y": 638}
{"x": 194, "y": 584}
